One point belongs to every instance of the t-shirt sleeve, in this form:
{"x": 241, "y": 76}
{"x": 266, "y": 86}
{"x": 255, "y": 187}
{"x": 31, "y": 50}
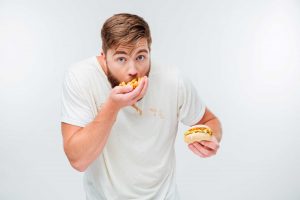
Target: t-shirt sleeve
{"x": 190, "y": 107}
{"x": 75, "y": 108}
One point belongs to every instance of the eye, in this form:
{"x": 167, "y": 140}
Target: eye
{"x": 140, "y": 58}
{"x": 121, "y": 59}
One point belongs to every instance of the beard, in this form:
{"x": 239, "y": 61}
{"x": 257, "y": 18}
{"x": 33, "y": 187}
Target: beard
{"x": 115, "y": 82}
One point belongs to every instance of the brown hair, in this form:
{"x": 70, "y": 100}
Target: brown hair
{"x": 124, "y": 29}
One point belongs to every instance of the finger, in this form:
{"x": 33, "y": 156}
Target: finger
{"x": 134, "y": 93}
{"x": 195, "y": 150}
{"x": 123, "y": 89}
{"x": 203, "y": 150}
{"x": 210, "y": 144}
{"x": 143, "y": 91}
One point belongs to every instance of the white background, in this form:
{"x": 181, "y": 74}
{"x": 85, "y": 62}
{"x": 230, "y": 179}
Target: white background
{"x": 243, "y": 56}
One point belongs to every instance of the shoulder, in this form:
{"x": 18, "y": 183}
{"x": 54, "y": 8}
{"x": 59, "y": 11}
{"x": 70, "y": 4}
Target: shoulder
{"x": 82, "y": 71}
{"x": 165, "y": 72}
{"x": 83, "y": 67}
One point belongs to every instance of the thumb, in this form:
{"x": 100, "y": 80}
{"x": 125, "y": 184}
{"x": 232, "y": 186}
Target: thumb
{"x": 214, "y": 140}
{"x": 123, "y": 89}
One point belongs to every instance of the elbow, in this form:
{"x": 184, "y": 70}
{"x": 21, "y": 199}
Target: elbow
{"x": 77, "y": 163}
{"x": 78, "y": 166}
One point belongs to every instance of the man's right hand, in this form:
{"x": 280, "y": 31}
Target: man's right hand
{"x": 122, "y": 96}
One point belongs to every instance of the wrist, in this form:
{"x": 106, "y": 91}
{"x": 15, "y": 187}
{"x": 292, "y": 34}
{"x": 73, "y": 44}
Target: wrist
{"x": 108, "y": 109}
{"x": 111, "y": 106}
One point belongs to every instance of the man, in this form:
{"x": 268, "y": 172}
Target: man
{"x": 124, "y": 154}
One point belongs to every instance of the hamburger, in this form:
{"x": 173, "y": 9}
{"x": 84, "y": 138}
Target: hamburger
{"x": 134, "y": 83}
{"x": 198, "y": 133}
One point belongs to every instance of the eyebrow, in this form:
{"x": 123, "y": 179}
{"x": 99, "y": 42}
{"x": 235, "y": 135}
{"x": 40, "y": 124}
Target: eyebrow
{"x": 120, "y": 52}
{"x": 142, "y": 51}
{"x": 123, "y": 52}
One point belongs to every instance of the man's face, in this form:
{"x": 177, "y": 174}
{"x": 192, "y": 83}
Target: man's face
{"x": 128, "y": 62}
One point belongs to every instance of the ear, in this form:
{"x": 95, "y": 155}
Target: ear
{"x": 102, "y": 54}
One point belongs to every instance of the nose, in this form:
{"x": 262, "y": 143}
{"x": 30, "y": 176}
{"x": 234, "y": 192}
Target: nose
{"x": 132, "y": 70}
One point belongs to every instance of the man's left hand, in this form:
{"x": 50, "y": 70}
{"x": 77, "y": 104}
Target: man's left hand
{"x": 205, "y": 149}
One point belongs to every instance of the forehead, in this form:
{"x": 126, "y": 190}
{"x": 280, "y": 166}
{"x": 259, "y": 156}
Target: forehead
{"x": 132, "y": 48}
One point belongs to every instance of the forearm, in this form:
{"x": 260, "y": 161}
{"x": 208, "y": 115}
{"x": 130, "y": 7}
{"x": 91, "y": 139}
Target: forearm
{"x": 85, "y": 145}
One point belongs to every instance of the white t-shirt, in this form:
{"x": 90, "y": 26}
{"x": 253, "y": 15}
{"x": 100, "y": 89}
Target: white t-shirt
{"x": 138, "y": 160}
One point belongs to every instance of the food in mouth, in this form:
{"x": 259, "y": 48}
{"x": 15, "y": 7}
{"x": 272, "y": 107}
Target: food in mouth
{"x": 134, "y": 83}
{"x": 198, "y": 133}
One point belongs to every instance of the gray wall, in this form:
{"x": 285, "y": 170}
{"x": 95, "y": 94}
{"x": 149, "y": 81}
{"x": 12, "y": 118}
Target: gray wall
{"x": 244, "y": 57}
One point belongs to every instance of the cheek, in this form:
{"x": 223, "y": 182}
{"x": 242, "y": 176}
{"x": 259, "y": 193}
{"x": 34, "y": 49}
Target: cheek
{"x": 144, "y": 67}
{"x": 115, "y": 70}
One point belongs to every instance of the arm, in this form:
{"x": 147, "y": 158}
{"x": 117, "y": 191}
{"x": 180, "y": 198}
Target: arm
{"x": 83, "y": 145}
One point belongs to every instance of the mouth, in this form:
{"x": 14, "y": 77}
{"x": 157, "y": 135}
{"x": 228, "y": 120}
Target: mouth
{"x": 134, "y": 82}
